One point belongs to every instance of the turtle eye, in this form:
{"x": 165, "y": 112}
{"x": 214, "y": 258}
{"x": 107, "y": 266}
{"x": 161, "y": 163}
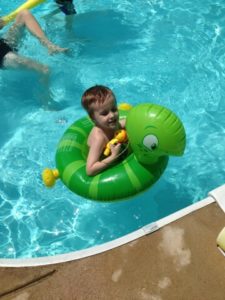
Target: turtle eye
{"x": 150, "y": 141}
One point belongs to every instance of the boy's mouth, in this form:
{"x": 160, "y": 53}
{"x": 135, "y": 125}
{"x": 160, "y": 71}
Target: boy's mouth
{"x": 112, "y": 122}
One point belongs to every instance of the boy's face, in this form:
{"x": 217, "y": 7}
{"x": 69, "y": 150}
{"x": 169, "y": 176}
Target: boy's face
{"x": 106, "y": 115}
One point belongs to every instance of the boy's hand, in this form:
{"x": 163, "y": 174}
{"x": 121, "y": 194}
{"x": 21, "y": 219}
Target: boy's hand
{"x": 115, "y": 149}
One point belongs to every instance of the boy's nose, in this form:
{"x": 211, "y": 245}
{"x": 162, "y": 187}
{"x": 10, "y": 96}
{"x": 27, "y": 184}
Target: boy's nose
{"x": 111, "y": 114}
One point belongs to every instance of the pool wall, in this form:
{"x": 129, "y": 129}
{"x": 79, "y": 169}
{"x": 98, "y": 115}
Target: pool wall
{"x": 217, "y": 195}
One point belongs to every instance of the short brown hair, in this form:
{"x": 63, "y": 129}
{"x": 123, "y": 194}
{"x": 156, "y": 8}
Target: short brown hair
{"x": 96, "y": 94}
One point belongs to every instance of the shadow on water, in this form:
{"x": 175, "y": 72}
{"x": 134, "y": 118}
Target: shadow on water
{"x": 159, "y": 201}
{"x": 12, "y": 110}
{"x": 20, "y": 89}
{"x": 170, "y": 199}
{"x": 21, "y": 93}
{"x": 155, "y": 203}
{"x": 102, "y": 30}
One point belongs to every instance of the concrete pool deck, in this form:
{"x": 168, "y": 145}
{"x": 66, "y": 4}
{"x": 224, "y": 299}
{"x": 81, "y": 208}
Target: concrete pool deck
{"x": 179, "y": 261}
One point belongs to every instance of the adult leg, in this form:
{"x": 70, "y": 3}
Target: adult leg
{"x": 14, "y": 61}
{"x": 26, "y": 20}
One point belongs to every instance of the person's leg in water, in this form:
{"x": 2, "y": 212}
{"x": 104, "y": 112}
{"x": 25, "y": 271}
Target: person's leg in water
{"x": 66, "y": 7}
{"x": 26, "y": 20}
{"x": 10, "y": 43}
{"x": 13, "y": 60}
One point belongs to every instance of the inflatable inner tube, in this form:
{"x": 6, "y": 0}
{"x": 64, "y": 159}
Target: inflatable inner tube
{"x": 154, "y": 132}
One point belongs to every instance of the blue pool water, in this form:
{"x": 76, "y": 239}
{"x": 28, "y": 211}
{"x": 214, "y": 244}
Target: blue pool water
{"x": 161, "y": 51}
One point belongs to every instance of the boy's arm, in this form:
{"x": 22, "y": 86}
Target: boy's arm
{"x": 94, "y": 164}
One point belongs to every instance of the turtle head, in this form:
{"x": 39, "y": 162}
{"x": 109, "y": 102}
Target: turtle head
{"x": 154, "y": 131}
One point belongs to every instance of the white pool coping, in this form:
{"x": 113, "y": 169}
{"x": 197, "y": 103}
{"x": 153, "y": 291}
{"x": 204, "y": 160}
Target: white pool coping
{"x": 217, "y": 195}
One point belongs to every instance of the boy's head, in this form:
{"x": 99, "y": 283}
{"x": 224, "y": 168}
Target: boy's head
{"x": 96, "y": 95}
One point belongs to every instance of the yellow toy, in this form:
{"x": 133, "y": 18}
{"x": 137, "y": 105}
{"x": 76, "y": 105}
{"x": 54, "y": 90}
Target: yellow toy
{"x": 27, "y": 5}
{"x": 49, "y": 177}
{"x": 120, "y": 137}
{"x": 124, "y": 106}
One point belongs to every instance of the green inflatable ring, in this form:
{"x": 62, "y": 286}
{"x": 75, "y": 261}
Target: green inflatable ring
{"x": 154, "y": 132}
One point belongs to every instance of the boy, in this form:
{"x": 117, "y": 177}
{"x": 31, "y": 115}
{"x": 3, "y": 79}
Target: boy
{"x": 100, "y": 103}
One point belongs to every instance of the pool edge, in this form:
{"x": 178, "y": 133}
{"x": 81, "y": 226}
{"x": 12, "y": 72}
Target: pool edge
{"x": 213, "y": 196}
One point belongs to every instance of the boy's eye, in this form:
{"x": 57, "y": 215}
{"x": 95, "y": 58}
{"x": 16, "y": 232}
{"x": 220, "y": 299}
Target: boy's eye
{"x": 104, "y": 113}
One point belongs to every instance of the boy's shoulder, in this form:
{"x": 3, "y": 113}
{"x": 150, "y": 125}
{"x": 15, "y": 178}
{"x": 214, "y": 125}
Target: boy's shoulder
{"x": 96, "y": 135}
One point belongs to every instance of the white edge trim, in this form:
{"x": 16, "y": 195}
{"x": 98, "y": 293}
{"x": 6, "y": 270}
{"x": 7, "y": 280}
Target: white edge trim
{"x": 221, "y": 250}
{"x": 49, "y": 260}
{"x": 219, "y": 195}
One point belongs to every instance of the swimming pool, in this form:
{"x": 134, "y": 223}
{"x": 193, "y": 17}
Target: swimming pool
{"x": 166, "y": 52}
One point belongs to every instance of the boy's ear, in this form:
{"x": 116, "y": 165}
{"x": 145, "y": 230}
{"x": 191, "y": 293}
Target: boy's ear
{"x": 89, "y": 115}
{"x": 93, "y": 120}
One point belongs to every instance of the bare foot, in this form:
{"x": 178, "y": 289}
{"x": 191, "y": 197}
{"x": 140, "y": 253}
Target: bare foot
{"x": 53, "y": 49}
